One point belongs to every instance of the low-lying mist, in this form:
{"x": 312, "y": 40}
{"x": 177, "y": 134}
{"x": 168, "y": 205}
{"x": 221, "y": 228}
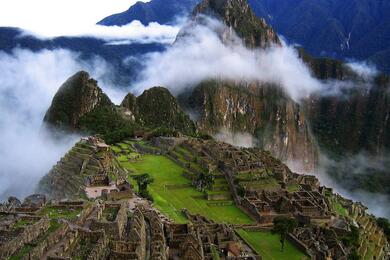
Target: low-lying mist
{"x": 361, "y": 177}
{"x": 28, "y": 82}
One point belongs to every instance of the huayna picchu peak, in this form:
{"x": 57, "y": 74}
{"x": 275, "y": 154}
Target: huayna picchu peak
{"x": 77, "y": 97}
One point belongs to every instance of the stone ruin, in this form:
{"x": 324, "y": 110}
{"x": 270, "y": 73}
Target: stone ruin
{"x": 87, "y": 170}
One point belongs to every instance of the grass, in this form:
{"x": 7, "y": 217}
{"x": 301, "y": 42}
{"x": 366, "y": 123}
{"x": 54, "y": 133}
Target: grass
{"x": 172, "y": 201}
{"x": 266, "y": 184}
{"x": 116, "y": 148}
{"x": 293, "y": 187}
{"x": 22, "y": 223}
{"x": 57, "y": 213}
{"x": 268, "y": 246}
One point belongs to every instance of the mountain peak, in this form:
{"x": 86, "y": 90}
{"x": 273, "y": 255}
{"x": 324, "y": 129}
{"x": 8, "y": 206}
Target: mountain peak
{"x": 79, "y": 95}
{"x": 238, "y": 15}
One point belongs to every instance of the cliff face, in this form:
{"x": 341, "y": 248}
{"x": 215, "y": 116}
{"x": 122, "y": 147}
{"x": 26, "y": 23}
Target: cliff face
{"x": 78, "y": 96}
{"x": 358, "y": 122}
{"x": 238, "y": 16}
{"x": 277, "y": 122}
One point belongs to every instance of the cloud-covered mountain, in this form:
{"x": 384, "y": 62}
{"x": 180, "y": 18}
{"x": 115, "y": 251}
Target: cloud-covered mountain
{"x": 161, "y": 11}
{"x": 357, "y": 29}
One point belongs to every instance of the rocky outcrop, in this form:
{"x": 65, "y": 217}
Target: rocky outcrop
{"x": 237, "y": 15}
{"x": 77, "y": 97}
{"x": 276, "y": 121}
{"x": 157, "y": 108}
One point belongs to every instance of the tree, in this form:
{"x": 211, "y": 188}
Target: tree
{"x": 143, "y": 181}
{"x": 283, "y": 226}
{"x": 204, "y": 181}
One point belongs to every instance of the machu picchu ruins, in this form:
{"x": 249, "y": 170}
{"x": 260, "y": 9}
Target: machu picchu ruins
{"x": 90, "y": 207}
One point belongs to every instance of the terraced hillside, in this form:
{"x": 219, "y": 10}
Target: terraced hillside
{"x": 88, "y": 159}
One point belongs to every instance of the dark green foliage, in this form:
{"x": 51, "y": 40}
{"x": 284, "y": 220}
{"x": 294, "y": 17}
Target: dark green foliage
{"x": 107, "y": 122}
{"x": 157, "y": 108}
{"x": 283, "y": 226}
{"x": 204, "y": 181}
{"x": 164, "y": 131}
{"x": 385, "y": 225}
{"x": 352, "y": 238}
{"x": 143, "y": 181}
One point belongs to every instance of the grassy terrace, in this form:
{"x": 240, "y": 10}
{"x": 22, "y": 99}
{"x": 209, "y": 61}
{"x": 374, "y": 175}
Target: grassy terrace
{"x": 171, "y": 192}
{"x": 268, "y": 246}
{"x": 58, "y": 213}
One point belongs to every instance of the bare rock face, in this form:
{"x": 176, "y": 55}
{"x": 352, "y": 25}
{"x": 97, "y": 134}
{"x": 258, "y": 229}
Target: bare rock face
{"x": 78, "y": 96}
{"x": 238, "y": 16}
{"x": 276, "y": 121}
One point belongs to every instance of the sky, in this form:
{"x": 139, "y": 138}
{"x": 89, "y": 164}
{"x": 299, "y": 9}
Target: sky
{"x": 49, "y": 18}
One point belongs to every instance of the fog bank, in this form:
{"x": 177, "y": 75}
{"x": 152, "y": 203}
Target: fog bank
{"x": 28, "y": 82}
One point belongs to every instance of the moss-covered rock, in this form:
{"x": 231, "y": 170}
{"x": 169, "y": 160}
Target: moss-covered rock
{"x": 157, "y": 108}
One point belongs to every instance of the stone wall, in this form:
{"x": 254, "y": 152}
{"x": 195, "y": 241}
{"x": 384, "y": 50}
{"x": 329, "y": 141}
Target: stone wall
{"x": 40, "y": 249}
{"x": 29, "y": 234}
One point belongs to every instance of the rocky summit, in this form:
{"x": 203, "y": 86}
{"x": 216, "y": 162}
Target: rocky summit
{"x": 237, "y": 15}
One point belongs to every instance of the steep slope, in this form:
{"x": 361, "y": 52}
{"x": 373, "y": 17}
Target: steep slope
{"x": 262, "y": 110}
{"x": 237, "y": 14}
{"x": 342, "y": 29}
{"x": 77, "y": 97}
{"x": 89, "y": 161}
{"x": 161, "y": 11}
{"x": 276, "y": 121}
{"x": 157, "y": 108}
{"x": 367, "y": 110}
{"x": 80, "y": 106}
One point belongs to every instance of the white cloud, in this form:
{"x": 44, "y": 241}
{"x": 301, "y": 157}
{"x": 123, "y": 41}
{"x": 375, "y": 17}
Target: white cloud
{"x": 201, "y": 54}
{"x": 48, "y": 19}
{"x": 363, "y": 69}
{"x": 51, "y": 17}
{"x": 237, "y": 138}
{"x": 28, "y": 82}
{"x": 116, "y": 35}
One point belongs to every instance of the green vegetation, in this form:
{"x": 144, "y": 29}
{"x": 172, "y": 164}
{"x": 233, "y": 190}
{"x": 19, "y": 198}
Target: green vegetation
{"x": 172, "y": 192}
{"x": 143, "y": 181}
{"x": 214, "y": 253}
{"x": 110, "y": 213}
{"x": 385, "y": 225}
{"x": 265, "y": 184}
{"x": 22, "y": 223}
{"x": 58, "y": 213}
{"x": 26, "y": 249}
{"x": 283, "y": 226}
{"x": 337, "y": 207}
{"x": 267, "y": 245}
{"x": 22, "y": 252}
{"x": 108, "y": 122}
